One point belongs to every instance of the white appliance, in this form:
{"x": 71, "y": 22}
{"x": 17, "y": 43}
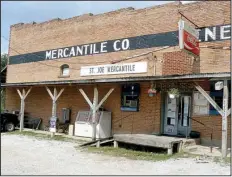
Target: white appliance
{"x": 83, "y": 124}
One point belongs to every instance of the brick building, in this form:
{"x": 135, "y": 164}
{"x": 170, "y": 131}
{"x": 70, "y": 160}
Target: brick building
{"x": 137, "y": 49}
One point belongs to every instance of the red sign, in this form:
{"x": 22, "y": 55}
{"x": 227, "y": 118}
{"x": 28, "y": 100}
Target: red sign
{"x": 188, "y": 38}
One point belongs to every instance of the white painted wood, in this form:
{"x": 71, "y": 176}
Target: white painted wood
{"x": 22, "y": 115}
{"x": 61, "y": 91}
{"x": 54, "y": 103}
{"x": 50, "y": 93}
{"x": 98, "y": 144}
{"x": 27, "y": 92}
{"x": 24, "y": 93}
{"x": 228, "y": 112}
{"x": 212, "y": 102}
{"x": 115, "y": 144}
{"x": 105, "y": 97}
{"x": 95, "y": 102}
{"x": 20, "y": 95}
{"x": 95, "y": 106}
{"x": 54, "y": 98}
{"x": 224, "y": 119}
{"x": 86, "y": 98}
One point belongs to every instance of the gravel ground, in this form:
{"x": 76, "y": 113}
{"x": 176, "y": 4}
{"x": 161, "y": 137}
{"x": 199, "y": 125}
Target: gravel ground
{"x": 22, "y": 155}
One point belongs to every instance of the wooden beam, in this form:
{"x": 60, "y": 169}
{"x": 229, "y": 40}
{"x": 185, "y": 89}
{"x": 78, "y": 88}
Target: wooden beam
{"x": 95, "y": 102}
{"x": 20, "y": 95}
{"x": 22, "y": 115}
{"x": 54, "y": 103}
{"x": 54, "y": 98}
{"x": 24, "y": 93}
{"x": 206, "y": 95}
{"x": 28, "y": 92}
{"x": 224, "y": 119}
{"x": 105, "y": 97}
{"x": 228, "y": 112}
{"x": 86, "y": 98}
{"x": 50, "y": 93}
{"x": 61, "y": 91}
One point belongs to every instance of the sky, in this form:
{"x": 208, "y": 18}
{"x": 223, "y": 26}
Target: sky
{"x": 13, "y": 12}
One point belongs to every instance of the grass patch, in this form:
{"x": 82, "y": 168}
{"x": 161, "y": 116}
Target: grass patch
{"x": 133, "y": 154}
{"x": 226, "y": 160}
{"x": 42, "y": 136}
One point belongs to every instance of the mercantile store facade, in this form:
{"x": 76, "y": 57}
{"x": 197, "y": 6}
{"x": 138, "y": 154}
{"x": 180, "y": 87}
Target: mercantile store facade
{"x": 126, "y": 62}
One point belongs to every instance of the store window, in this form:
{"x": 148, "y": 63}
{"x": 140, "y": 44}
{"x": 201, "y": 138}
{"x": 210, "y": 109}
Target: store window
{"x": 217, "y": 96}
{"x": 130, "y": 97}
{"x": 64, "y": 70}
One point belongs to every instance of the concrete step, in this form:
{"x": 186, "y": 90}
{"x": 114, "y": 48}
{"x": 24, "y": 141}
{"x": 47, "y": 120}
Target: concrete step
{"x": 192, "y": 148}
{"x": 191, "y": 142}
{"x": 204, "y": 150}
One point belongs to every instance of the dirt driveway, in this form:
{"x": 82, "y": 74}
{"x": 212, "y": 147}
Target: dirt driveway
{"x": 22, "y": 155}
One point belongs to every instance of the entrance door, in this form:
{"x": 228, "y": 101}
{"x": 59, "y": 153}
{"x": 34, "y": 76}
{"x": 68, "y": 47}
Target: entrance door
{"x": 171, "y": 116}
{"x": 177, "y": 116}
{"x": 184, "y": 121}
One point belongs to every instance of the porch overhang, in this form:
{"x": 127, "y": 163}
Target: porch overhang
{"x": 126, "y": 79}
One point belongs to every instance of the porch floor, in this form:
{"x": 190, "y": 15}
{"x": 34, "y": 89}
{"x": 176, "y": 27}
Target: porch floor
{"x": 165, "y": 142}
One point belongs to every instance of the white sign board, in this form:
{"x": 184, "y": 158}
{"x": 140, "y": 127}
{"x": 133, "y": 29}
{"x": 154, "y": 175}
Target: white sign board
{"x": 124, "y": 68}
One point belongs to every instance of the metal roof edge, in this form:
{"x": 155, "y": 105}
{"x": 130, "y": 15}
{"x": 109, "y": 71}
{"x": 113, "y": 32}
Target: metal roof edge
{"x": 126, "y": 79}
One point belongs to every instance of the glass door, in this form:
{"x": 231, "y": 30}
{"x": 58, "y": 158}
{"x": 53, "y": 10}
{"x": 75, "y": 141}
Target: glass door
{"x": 184, "y": 120}
{"x": 171, "y": 116}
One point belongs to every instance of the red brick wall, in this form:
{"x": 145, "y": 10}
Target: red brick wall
{"x": 39, "y": 104}
{"x": 27, "y": 38}
{"x": 179, "y": 62}
{"x": 213, "y": 124}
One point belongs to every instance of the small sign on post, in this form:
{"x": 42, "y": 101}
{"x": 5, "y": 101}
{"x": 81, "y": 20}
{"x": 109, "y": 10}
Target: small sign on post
{"x": 53, "y": 124}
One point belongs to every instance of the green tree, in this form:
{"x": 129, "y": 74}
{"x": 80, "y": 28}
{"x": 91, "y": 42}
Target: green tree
{"x": 4, "y": 60}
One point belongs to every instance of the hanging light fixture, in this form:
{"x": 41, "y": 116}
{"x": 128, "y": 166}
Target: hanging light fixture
{"x": 152, "y": 91}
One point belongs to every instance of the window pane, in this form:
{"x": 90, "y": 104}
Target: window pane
{"x": 65, "y": 72}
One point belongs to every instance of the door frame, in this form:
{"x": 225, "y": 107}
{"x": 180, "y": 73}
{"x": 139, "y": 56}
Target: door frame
{"x": 164, "y": 110}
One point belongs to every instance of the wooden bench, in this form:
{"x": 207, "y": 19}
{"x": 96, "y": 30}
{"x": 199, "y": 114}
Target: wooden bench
{"x": 32, "y": 123}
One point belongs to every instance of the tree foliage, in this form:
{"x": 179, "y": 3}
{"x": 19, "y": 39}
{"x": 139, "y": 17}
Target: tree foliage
{"x": 4, "y": 59}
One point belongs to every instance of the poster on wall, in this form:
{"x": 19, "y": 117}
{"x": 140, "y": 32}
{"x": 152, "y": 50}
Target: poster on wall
{"x": 200, "y": 104}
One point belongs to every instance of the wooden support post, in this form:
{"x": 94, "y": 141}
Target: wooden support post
{"x": 54, "y": 98}
{"x": 22, "y": 96}
{"x": 98, "y": 144}
{"x": 95, "y": 106}
{"x": 54, "y": 103}
{"x": 224, "y": 113}
{"x": 224, "y": 119}
{"x": 95, "y": 103}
